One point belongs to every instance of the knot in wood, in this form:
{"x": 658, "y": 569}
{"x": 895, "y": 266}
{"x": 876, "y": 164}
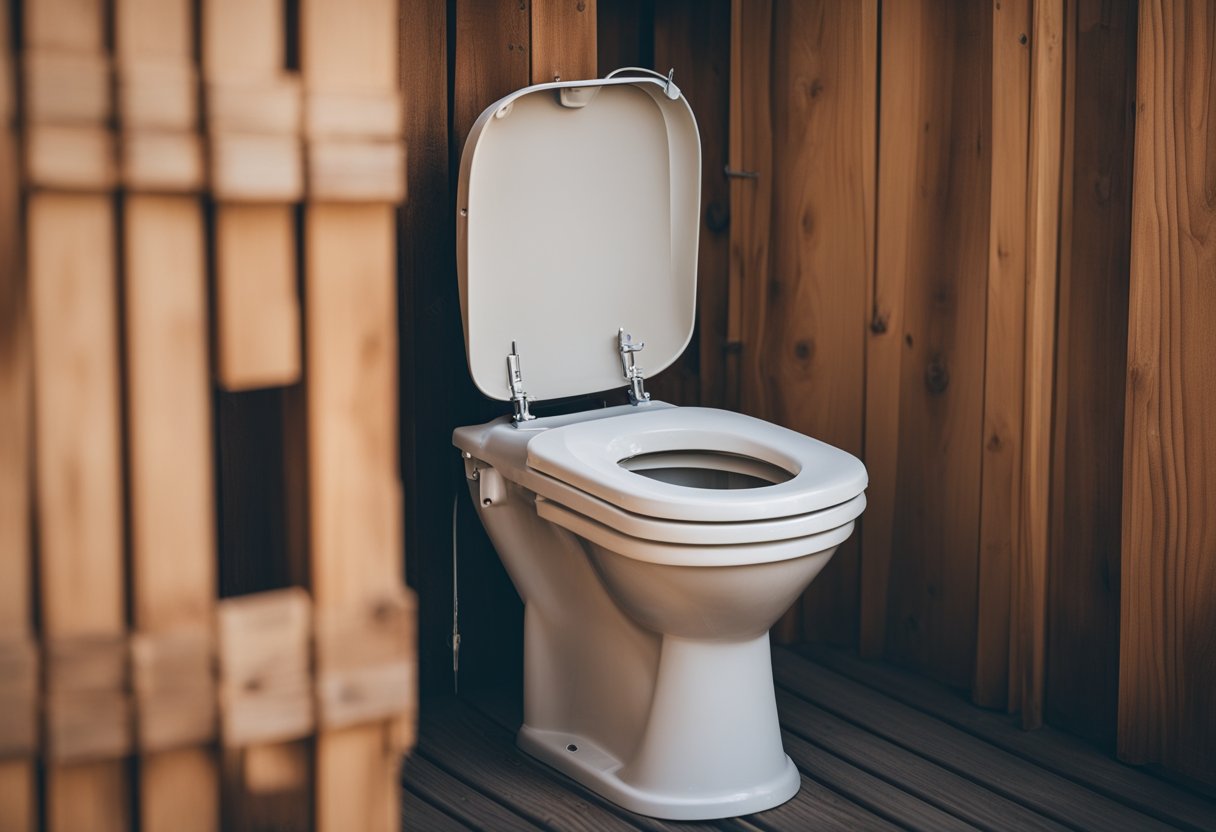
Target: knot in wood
{"x": 937, "y": 376}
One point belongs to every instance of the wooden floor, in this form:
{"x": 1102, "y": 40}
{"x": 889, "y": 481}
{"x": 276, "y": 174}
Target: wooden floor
{"x": 878, "y": 749}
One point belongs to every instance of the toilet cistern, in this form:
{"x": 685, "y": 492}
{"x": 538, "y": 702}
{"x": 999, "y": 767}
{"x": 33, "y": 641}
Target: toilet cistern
{"x": 633, "y": 373}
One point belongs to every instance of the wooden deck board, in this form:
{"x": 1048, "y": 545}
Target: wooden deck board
{"x": 1048, "y": 748}
{"x": 879, "y": 749}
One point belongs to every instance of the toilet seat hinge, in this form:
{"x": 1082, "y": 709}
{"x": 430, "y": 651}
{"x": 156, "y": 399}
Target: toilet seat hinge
{"x": 515, "y": 380}
{"x": 633, "y": 373}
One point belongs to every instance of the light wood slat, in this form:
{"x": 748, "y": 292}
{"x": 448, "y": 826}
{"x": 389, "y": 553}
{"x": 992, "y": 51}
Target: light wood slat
{"x": 154, "y": 30}
{"x": 959, "y": 752}
{"x": 348, "y": 46}
{"x": 1047, "y": 748}
{"x": 563, "y": 40}
{"x": 79, "y": 470}
{"x": 70, "y": 25}
{"x": 1005, "y": 331}
{"x": 962, "y": 799}
{"x": 171, "y": 485}
{"x": 354, "y": 496}
{"x": 1167, "y": 712}
{"x": 257, "y": 302}
{"x": 1029, "y": 608}
{"x": 243, "y": 41}
{"x": 456, "y": 798}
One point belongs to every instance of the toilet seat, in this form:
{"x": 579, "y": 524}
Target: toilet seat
{"x": 587, "y": 456}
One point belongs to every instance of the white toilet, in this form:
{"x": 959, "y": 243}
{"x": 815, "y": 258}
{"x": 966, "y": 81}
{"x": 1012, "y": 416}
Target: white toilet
{"x": 653, "y": 546}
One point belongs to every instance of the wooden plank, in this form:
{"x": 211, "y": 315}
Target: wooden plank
{"x": 78, "y": 462}
{"x": 70, "y": 25}
{"x": 154, "y": 30}
{"x": 693, "y": 38}
{"x": 257, "y": 303}
{"x": 18, "y": 796}
{"x": 563, "y": 40}
{"x": 348, "y": 45}
{"x": 417, "y": 813}
{"x": 818, "y": 807}
{"x": 1029, "y": 610}
{"x": 959, "y": 752}
{"x": 171, "y": 487}
{"x": 1167, "y": 714}
{"x": 934, "y": 232}
{"x": 962, "y": 799}
{"x": 354, "y": 500}
{"x": 456, "y": 798}
{"x": 803, "y": 341}
{"x": 1002, "y": 430}
{"x": 242, "y": 40}
{"x": 1052, "y": 750}
{"x": 493, "y": 49}
{"x": 1083, "y": 581}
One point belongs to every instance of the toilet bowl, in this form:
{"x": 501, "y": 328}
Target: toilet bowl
{"x": 653, "y": 546}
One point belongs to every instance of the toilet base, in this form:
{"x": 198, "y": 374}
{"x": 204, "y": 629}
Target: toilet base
{"x": 598, "y": 770}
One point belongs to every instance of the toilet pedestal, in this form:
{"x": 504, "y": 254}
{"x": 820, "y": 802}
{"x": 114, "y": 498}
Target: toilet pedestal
{"x": 712, "y": 743}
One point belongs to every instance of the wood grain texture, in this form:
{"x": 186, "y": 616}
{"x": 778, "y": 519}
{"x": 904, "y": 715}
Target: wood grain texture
{"x": 257, "y": 302}
{"x": 934, "y": 161}
{"x": 169, "y": 466}
{"x": 805, "y": 360}
{"x": 354, "y": 496}
{"x": 1005, "y": 333}
{"x": 1083, "y": 572}
{"x": 693, "y": 38}
{"x": 563, "y": 40}
{"x": 1167, "y": 690}
{"x": 74, "y": 320}
{"x": 1027, "y": 659}
{"x": 493, "y": 58}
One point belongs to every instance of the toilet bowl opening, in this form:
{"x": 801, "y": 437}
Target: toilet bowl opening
{"x": 706, "y": 469}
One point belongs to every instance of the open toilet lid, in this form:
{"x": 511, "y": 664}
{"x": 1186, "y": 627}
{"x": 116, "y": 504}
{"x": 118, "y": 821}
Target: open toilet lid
{"x": 577, "y": 214}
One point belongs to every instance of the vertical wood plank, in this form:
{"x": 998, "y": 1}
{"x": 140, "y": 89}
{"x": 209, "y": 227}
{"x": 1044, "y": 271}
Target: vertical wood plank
{"x": 563, "y": 40}
{"x": 493, "y": 49}
{"x": 69, "y": 25}
{"x": 1028, "y": 644}
{"x": 1087, "y": 468}
{"x": 354, "y": 499}
{"x": 18, "y": 799}
{"x": 694, "y": 39}
{"x": 171, "y": 485}
{"x": 257, "y": 307}
{"x": 934, "y": 163}
{"x": 78, "y": 462}
{"x": 242, "y": 40}
{"x": 1002, "y": 455}
{"x": 1167, "y": 710}
{"x": 804, "y": 351}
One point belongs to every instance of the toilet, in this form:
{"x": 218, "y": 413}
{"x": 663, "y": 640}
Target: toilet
{"x": 653, "y": 546}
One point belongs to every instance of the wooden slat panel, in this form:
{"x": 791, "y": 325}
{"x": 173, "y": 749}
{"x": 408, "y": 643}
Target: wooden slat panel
{"x": 354, "y": 502}
{"x": 478, "y": 810}
{"x": 417, "y": 813}
{"x": 804, "y": 337}
{"x": 171, "y": 486}
{"x": 563, "y": 40}
{"x": 79, "y": 470}
{"x": 961, "y": 753}
{"x": 154, "y": 30}
{"x": 1002, "y": 459}
{"x": 493, "y": 49}
{"x": 242, "y": 40}
{"x": 1029, "y": 617}
{"x": 1047, "y": 748}
{"x": 1167, "y": 713}
{"x": 1083, "y": 579}
{"x": 257, "y": 305}
{"x": 348, "y": 45}
{"x": 70, "y": 25}
{"x": 933, "y": 226}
